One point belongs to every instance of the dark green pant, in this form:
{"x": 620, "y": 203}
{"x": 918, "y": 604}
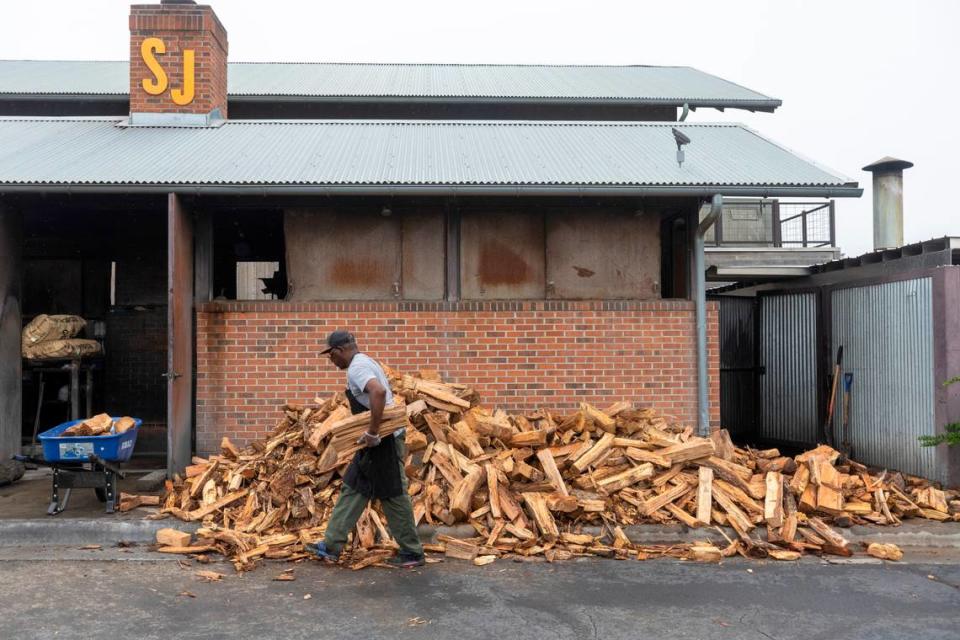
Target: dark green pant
{"x": 399, "y": 512}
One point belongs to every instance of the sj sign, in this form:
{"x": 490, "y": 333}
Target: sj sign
{"x": 159, "y": 83}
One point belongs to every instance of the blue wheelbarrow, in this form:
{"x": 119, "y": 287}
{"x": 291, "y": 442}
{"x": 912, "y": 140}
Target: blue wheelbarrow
{"x": 84, "y": 462}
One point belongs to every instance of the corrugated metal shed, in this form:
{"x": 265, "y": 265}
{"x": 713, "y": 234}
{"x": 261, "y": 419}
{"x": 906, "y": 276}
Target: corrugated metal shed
{"x": 887, "y": 335}
{"x": 788, "y": 389}
{"x": 99, "y": 151}
{"x": 640, "y": 84}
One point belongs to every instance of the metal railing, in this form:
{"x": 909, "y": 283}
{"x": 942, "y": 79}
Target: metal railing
{"x": 771, "y": 223}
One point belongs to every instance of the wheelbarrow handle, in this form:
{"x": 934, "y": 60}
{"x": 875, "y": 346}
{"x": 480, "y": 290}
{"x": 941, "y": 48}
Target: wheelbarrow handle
{"x": 106, "y": 465}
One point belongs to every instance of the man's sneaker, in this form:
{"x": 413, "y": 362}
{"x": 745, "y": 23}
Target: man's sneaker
{"x": 407, "y": 561}
{"x": 319, "y": 549}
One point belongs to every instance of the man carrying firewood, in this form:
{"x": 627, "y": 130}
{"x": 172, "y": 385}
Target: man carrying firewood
{"x": 376, "y": 470}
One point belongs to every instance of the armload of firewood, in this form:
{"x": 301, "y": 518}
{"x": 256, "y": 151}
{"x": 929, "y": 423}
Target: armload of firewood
{"x": 100, "y": 425}
{"x": 529, "y": 484}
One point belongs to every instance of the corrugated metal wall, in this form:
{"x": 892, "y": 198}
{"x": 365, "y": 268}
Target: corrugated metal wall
{"x": 887, "y": 335}
{"x": 788, "y": 389}
{"x": 738, "y": 384}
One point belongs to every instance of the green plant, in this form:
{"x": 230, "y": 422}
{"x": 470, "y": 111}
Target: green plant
{"x": 951, "y": 433}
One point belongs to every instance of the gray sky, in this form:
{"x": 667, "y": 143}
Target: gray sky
{"x": 859, "y": 79}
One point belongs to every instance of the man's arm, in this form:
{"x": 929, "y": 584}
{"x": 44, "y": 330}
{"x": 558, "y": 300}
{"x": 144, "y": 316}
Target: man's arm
{"x": 378, "y": 400}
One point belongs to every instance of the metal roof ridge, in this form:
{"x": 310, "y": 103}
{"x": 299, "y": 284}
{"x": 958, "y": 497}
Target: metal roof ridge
{"x": 406, "y": 64}
{"x": 737, "y": 84}
{"x": 410, "y": 122}
{"x": 802, "y": 156}
{"x": 7, "y": 118}
{"x": 59, "y": 60}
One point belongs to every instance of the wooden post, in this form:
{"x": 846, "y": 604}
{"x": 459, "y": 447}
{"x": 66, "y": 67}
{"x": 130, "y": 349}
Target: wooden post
{"x": 776, "y": 225}
{"x": 11, "y": 264}
{"x": 833, "y": 225}
{"x": 179, "y": 335}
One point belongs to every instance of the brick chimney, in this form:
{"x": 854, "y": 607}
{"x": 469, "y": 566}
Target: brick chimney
{"x": 178, "y": 64}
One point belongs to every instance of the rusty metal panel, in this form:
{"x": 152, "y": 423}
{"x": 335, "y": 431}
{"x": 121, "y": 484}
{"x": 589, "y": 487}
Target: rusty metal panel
{"x": 502, "y": 255}
{"x": 423, "y": 254}
{"x": 342, "y": 254}
{"x": 179, "y": 336}
{"x": 887, "y": 335}
{"x": 602, "y": 255}
{"x": 788, "y": 388}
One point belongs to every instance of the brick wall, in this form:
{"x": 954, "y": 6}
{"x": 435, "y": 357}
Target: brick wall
{"x": 179, "y": 27}
{"x": 254, "y": 356}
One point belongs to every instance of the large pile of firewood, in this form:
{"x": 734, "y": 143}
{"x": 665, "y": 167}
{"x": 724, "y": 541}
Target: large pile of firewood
{"x": 530, "y": 484}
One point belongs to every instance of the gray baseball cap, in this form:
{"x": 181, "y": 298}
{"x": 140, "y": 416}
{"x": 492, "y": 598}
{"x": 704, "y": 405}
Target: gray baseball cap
{"x": 338, "y": 339}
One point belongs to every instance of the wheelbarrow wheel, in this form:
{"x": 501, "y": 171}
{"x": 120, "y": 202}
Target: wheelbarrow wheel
{"x": 101, "y": 494}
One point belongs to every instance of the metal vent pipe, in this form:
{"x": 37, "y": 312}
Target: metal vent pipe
{"x": 888, "y": 201}
{"x": 700, "y": 301}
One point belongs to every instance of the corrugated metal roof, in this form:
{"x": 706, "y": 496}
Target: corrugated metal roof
{"x": 659, "y": 85}
{"x": 86, "y": 151}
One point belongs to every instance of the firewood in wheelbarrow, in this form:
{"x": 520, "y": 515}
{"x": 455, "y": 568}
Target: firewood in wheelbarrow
{"x": 80, "y": 429}
{"x": 124, "y": 424}
{"x": 99, "y": 423}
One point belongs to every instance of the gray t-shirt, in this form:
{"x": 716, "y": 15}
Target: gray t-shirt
{"x": 362, "y": 370}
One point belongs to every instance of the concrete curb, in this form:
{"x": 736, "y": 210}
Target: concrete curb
{"x": 79, "y": 531}
{"x": 71, "y": 531}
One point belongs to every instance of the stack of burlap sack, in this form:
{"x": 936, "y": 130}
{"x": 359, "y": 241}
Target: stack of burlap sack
{"x": 49, "y": 337}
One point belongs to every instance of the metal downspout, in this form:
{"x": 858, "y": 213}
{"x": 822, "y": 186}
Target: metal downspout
{"x": 700, "y": 299}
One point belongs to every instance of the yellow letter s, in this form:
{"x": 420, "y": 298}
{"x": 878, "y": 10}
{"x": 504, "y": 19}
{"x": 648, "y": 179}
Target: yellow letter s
{"x": 158, "y": 85}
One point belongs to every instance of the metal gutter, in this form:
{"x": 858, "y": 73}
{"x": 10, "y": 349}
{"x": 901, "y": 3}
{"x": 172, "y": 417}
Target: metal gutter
{"x": 700, "y": 299}
{"x": 749, "y": 105}
{"x": 847, "y": 191}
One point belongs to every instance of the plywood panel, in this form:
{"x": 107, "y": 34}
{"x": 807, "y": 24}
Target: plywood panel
{"x": 342, "y": 254}
{"x": 249, "y": 279}
{"x": 502, "y": 255}
{"x": 603, "y": 255}
{"x": 423, "y": 254}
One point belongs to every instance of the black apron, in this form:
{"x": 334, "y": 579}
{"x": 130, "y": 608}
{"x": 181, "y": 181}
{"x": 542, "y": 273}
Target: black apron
{"x": 375, "y": 471}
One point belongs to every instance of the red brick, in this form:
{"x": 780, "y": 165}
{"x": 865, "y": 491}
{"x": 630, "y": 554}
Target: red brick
{"x": 645, "y": 354}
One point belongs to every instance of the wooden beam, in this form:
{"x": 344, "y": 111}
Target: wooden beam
{"x": 179, "y": 335}
{"x": 11, "y": 274}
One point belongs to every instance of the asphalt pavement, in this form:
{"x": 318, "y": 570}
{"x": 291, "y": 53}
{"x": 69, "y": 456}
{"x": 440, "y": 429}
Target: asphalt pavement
{"x": 66, "y": 591}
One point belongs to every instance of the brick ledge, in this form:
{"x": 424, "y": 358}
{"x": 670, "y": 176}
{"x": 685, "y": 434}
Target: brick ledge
{"x": 282, "y": 306}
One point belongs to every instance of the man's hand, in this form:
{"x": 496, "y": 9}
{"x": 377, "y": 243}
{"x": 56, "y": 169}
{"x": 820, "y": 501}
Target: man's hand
{"x": 369, "y": 439}
{"x": 378, "y": 399}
